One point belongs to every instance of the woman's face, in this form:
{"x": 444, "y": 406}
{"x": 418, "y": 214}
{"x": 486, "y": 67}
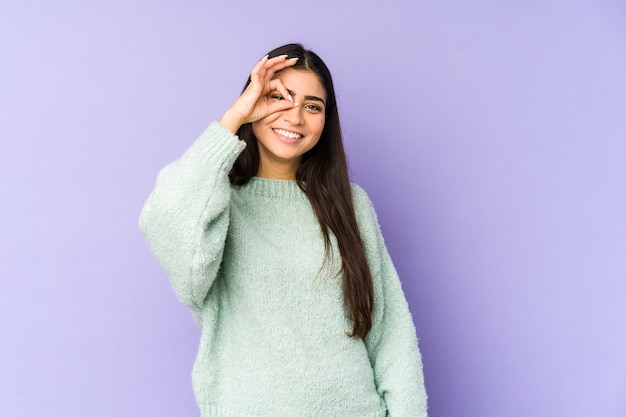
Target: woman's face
{"x": 283, "y": 137}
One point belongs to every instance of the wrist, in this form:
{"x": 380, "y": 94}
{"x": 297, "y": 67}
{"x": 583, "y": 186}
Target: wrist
{"x": 231, "y": 121}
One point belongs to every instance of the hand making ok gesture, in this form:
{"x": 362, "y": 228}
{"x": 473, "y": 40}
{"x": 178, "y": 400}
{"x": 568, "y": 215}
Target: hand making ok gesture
{"x": 253, "y": 103}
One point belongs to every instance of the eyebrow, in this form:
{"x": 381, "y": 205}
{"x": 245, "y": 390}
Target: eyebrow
{"x": 311, "y": 98}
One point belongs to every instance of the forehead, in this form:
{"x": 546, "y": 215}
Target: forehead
{"x": 302, "y": 82}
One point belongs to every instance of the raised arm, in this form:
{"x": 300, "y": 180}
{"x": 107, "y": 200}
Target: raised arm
{"x": 185, "y": 218}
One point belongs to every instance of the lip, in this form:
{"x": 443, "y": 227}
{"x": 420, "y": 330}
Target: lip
{"x": 287, "y": 139}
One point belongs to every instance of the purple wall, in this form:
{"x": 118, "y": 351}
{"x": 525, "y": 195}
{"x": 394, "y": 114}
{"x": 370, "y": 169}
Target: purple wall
{"x": 490, "y": 135}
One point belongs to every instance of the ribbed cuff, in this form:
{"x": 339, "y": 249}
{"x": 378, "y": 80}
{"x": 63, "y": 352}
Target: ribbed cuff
{"x": 218, "y": 146}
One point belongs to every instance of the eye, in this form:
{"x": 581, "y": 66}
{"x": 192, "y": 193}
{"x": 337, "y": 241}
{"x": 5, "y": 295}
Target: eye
{"x": 276, "y": 97}
{"x": 313, "y": 107}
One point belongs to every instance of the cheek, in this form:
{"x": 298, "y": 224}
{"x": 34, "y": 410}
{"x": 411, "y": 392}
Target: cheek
{"x": 319, "y": 125}
{"x": 259, "y": 125}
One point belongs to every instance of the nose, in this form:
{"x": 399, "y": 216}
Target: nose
{"x": 294, "y": 116}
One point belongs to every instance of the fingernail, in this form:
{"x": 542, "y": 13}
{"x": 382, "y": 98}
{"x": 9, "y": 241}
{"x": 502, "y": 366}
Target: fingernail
{"x": 290, "y": 98}
{"x": 293, "y": 59}
{"x": 265, "y": 57}
{"x": 283, "y": 56}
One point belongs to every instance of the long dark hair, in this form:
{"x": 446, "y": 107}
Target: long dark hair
{"x": 323, "y": 176}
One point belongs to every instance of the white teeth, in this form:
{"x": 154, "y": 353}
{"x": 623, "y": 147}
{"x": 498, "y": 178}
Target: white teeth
{"x": 287, "y": 134}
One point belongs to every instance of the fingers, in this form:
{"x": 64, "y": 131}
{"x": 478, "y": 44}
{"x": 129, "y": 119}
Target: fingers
{"x": 277, "y": 85}
{"x": 265, "y": 69}
{"x": 278, "y": 106}
{"x": 278, "y": 63}
{"x": 284, "y": 102}
{"x": 255, "y": 101}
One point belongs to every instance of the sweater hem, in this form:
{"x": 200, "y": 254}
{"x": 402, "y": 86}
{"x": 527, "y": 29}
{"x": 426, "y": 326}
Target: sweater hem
{"x": 213, "y": 410}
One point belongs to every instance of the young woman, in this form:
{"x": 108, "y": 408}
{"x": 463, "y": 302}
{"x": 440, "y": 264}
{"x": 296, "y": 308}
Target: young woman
{"x": 281, "y": 259}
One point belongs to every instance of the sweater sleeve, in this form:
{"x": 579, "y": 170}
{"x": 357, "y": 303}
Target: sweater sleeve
{"x": 391, "y": 343}
{"x": 185, "y": 218}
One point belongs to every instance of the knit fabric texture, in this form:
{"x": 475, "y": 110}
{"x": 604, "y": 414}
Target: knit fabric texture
{"x": 249, "y": 261}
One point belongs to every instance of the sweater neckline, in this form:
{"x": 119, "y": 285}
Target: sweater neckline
{"x": 275, "y": 188}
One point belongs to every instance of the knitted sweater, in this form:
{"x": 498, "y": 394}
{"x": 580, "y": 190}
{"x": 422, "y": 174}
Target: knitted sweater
{"x": 249, "y": 263}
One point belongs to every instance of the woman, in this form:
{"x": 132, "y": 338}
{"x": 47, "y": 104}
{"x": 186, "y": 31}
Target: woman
{"x": 281, "y": 260}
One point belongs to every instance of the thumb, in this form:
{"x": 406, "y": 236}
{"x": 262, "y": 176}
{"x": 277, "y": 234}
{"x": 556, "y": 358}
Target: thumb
{"x": 282, "y": 105}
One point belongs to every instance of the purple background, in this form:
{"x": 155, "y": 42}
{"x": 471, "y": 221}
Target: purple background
{"x": 490, "y": 135}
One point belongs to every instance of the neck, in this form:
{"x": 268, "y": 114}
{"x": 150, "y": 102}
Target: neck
{"x": 278, "y": 171}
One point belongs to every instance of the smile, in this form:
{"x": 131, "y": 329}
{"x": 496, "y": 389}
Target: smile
{"x": 287, "y": 134}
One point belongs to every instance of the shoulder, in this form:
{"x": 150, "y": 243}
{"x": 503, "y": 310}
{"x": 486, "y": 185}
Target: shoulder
{"x": 369, "y": 228}
{"x": 360, "y": 199}
{"x": 364, "y": 211}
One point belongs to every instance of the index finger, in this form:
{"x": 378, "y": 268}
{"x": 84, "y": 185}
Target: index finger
{"x": 271, "y": 66}
{"x": 281, "y": 61}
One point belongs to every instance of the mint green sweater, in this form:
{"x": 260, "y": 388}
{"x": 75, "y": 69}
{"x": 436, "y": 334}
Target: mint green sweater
{"x": 247, "y": 260}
